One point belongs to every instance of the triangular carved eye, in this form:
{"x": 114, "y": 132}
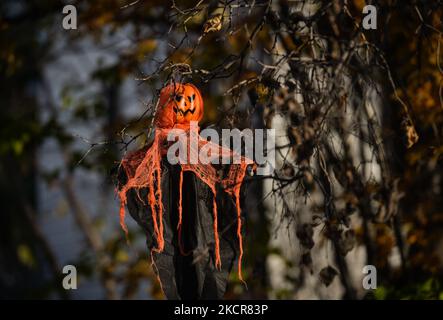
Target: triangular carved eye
{"x": 191, "y": 98}
{"x": 178, "y": 98}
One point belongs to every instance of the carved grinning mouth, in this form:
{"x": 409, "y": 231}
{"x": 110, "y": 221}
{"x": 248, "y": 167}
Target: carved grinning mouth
{"x": 185, "y": 112}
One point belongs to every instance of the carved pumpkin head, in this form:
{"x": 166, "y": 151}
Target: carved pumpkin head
{"x": 179, "y": 104}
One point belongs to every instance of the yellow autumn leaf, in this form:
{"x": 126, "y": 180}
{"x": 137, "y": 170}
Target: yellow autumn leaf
{"x": 121, "y": 256}
{"x": 25, "y": 255}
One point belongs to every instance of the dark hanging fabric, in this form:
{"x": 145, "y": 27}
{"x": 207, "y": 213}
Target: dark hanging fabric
{"x": 186, "y": 267}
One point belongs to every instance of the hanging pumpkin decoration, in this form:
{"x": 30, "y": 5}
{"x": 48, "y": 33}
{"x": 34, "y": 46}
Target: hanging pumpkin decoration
{"x": 179, "y": 104}
{"x": 144, "y": 182}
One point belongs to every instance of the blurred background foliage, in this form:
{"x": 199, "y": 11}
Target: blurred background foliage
{"x": 73, "y": 101}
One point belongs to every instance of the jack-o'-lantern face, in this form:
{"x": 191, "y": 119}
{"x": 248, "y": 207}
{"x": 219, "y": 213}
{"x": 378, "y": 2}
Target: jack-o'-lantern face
{"x": 179, "y": 104}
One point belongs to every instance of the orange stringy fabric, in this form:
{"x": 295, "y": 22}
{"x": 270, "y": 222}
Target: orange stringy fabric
{"x": 143, "y": 170}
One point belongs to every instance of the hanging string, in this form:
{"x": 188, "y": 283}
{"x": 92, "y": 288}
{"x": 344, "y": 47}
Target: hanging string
{"x": 215, "y": 226}
{"x": 180, "y": 216}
